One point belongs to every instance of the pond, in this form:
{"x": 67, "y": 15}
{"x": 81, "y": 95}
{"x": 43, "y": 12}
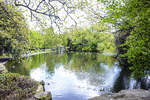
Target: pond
{"x": 74, "y": 76}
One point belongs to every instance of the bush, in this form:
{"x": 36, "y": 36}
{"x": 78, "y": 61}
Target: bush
{"x": 14, "y": 86}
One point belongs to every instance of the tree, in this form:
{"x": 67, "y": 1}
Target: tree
{"x": 132, "y": 18}
{"x": 36, "y": 40}
{"x": 52, "y": 40}
{"x": 13, "y": 31}
{"x": 56, "y": 11}
{"x": 93, "y": 39}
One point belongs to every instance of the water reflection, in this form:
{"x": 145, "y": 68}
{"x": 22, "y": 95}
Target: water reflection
{"x": 111, "y": 75}
{"x": 76, "y": 76}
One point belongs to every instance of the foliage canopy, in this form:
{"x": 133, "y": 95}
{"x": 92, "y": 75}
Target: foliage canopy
{"x": 93, "y": 39}
{"x": 13, "y": 31}
{"x": 133, "y": 18}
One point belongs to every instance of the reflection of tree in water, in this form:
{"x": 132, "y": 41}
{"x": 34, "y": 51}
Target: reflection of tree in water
{"x": 94, "y": 79}
{"x": 81, "y": 62}
{"x": 88, "y": 62}
{"x": 91, "y": 68}
{"x": 53, "y": 59}
{"x": 25, "y": 65}
{"x": 106, "y": 59}
{"x": 37, "y": 61}
{"x": 16, "y": 66}
{"x": 84, "y": 65}
{"x": 123, "y": 81}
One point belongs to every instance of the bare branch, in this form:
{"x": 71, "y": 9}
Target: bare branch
{"x": 49, "y": 8}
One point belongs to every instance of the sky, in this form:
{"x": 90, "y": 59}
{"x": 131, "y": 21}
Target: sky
{"x": 84, "y": 17}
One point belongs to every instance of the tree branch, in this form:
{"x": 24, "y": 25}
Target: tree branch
{"x": 49, "y": 8}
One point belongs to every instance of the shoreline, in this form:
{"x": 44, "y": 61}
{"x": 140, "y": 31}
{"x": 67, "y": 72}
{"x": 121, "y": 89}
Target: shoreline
{"x": 3, "y": 60}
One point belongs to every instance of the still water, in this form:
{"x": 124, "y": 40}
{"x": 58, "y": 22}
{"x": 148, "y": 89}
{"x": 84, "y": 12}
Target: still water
{"x": 73, "y": 76}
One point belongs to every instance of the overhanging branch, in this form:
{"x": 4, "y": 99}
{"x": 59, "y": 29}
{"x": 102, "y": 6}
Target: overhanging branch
{"x": 49, "y": 8}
